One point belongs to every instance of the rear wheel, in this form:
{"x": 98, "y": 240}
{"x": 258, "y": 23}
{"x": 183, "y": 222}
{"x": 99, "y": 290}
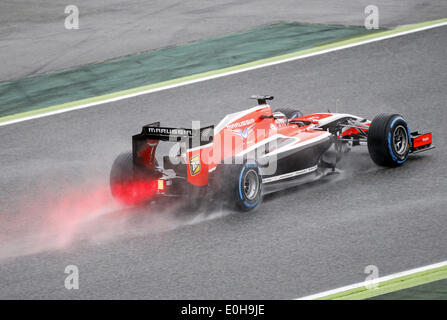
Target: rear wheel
{"x": 122, "y": 175}
{"x": 389, "y": 140}
{"x": 290, "y": 113}
{"x": 240, "y": 185}
{"x": 129, "y": 184}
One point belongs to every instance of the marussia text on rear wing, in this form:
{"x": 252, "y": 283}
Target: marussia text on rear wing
{"x": 145, "y": 143}
{"x": 153, "y": 131}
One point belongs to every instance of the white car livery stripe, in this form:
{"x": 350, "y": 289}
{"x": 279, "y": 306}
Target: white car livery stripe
{"x": 263, "y": 142}
{"x": 289, "y": 174}
{"x": 335, "y": 117}
{"x": 298, "y": 144}
{"x": 234, "y": 116}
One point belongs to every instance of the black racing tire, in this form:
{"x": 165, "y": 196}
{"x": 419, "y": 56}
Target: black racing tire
{"x": 239, "y": 185}
{"x": 290, "y": 113}
{"x": 122, "y": 172}
{"x": 125, "y": 177}
{"x": 389, "y": 140}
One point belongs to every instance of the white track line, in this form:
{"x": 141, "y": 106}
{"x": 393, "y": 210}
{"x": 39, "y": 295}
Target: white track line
{"x": 224, "y": 74}
{"x": 378, "y": 280}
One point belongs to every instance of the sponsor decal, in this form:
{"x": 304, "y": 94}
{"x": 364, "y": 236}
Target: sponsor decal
{"x": 244, "y": 133}
{"x": 315, "y": 118}
{"x": 169, "y": 131}
{"x": 422, "y": 140}
{"x": 240, "y": 124}
{"x": 194, "y": 165}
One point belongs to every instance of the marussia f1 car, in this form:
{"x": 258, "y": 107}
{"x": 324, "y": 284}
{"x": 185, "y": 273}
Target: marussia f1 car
{"x": 254, "y": 152}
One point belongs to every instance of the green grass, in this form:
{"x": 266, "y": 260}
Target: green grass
{"x": 389, "y": 286}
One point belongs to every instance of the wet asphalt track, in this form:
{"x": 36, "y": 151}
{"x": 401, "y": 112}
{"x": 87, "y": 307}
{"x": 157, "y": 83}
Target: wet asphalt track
{"x": 303, "y": 241}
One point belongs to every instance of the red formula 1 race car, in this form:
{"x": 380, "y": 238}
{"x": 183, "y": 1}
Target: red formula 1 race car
{"x": 255, "y": 152}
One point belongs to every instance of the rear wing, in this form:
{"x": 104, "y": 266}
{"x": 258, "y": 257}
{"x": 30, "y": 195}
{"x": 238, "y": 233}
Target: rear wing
{"x": 145, "y": 143}
{"x": 196, "y": 137}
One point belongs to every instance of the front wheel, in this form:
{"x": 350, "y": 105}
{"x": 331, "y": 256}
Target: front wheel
{"x": 389, "y": 140}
